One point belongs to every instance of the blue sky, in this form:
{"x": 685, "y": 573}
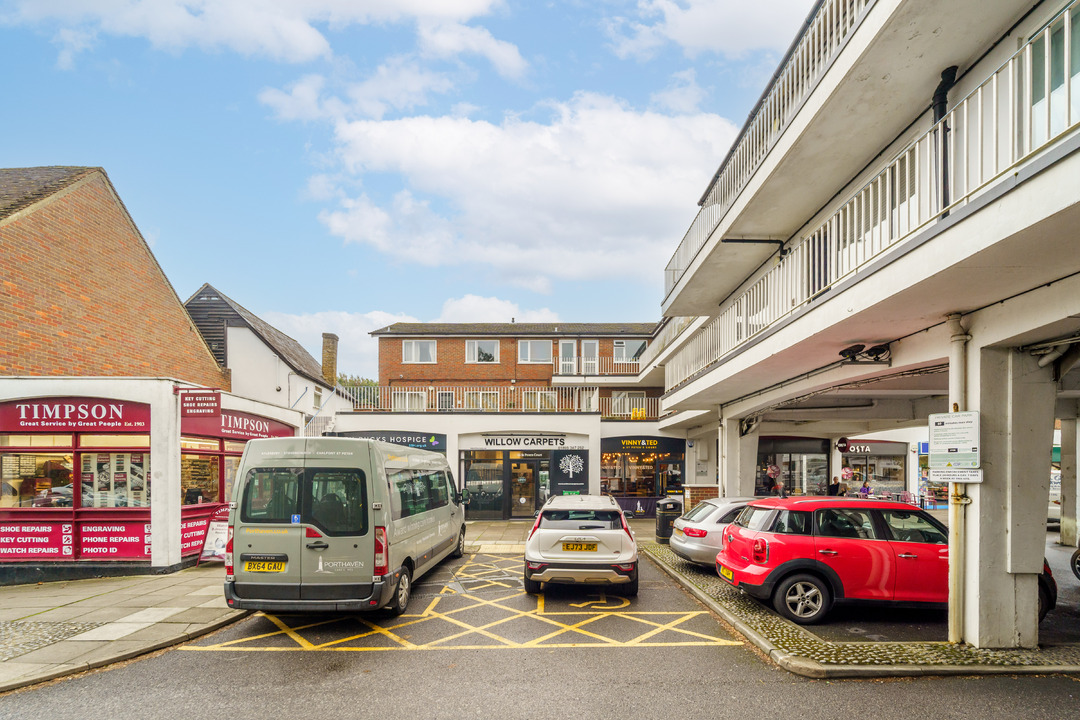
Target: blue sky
{"x": 339, "y": 165}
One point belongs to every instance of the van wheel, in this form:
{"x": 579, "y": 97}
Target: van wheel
{"x": 460, "y": 549}
{"x": 402, "y": 593}
{"x": 804, "y": 599}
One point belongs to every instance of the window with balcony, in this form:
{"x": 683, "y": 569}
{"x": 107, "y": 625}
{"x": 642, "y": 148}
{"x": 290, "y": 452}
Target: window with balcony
{"x": 541, "y": 401}
{"x": 485, "y": 400}
{"x": 481, "y": 351}
{"x": 417, "y": 351}
{"x": 628, "y": 350}
{"x": 534, "y": 351}
{"x": 408, "y": 401}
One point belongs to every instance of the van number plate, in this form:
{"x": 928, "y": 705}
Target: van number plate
{"x": 578, "y": 547}
{"x": 252, "y": 566}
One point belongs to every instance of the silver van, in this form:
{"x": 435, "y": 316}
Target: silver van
{"x": 337, "y": 524}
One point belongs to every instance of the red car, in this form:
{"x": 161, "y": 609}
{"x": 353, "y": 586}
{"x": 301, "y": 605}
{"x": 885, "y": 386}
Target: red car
{"x": 803, "y": 554}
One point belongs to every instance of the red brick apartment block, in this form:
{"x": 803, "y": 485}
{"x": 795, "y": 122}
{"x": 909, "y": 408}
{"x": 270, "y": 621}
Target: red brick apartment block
{"x": 80, "y": 292}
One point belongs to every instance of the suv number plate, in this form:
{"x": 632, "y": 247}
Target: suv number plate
{"x": 578, "y": 547}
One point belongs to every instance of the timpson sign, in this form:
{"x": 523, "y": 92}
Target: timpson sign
{"x": 235, "y": 424}
{"x": 74, "y": 414}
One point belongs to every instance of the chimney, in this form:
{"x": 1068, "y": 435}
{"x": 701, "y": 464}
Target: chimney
{"x": 329, "y": 358}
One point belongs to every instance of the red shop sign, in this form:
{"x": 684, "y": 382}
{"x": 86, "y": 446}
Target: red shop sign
{"x": 236, "y": 425}
{"x": 112, "y": 540}
{"x": 192, "y": 533}
{"x": 200, "y": 403}
{"x": 74, "y": 414}
{"x": 36, "y": 541}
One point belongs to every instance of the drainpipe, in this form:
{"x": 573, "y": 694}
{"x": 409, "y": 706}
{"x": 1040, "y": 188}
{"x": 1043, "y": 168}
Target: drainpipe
{"x": 940, "y": 105}
{"x": 958, "y": 499}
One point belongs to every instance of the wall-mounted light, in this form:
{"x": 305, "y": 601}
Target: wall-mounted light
{"x": 858, "y": 353}
{"x": 878, "y": 352}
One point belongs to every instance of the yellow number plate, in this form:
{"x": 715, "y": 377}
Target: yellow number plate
{"x": 678, "y": 531}
{"x": 726, "y": 572}
{"x": 251, "y": 566}
{"x": 578, "y": 547}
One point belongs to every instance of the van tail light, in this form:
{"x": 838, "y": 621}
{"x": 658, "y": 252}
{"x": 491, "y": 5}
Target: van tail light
{"x": 760, "y": 550}
{"x": 312, "y": 532}
{"x": 382, "y": 561}
{"x": 228, "y": 552}
{"x": 535, "y": 525}
{"x": 694, "y": 532}
{"x": 626, "y": 528}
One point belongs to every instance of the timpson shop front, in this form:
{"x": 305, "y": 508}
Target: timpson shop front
{"x": 510, "y": 475}
{"x": 93, "y": 485}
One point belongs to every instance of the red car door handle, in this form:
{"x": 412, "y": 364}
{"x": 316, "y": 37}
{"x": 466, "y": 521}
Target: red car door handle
{"x": 908, "y": 555}
{"x": 827, "y": 552}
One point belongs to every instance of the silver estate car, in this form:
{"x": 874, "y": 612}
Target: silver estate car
{"x": 581, "y": 539}
{"x": 696, "y": 535}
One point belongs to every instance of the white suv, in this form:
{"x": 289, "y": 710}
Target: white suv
{"x": 581, "y": 539}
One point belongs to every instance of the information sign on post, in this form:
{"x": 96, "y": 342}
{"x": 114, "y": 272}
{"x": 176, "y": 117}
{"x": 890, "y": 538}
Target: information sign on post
{"x": 954, "y": 440}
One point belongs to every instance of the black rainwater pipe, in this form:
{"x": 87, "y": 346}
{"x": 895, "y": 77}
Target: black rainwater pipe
{"x": 940, "y": 105}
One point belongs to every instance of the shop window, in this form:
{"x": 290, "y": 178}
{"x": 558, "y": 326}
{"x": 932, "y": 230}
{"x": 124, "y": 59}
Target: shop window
{"x": 36, "y": 480}
{"x": 192, "y": 443}
{"x": 482, "y": 351}
{"x": 535, "y": 351}
{"x": 114, "y": 441}
{"x": 199, "y": 479}
{"x": 484, "y": 485}
{"x": 115, "y": 480}
{"x": 35, "y": 441}
{"x": 234, "y": 447}
{"x": 417, "y": 351}
{"x": 232, "y": 463}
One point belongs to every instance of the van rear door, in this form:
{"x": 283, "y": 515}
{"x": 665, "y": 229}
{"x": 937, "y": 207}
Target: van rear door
{"x": 338, "y": 548}
{"x": 268, "y": 536}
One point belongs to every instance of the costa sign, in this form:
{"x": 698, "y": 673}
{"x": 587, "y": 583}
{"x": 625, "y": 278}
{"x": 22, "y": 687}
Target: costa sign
{"x": 74, "y": 414}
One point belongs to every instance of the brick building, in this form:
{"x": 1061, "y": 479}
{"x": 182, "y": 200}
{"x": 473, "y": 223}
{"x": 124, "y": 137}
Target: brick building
{"x": 97, "y": 355}
{"x": 526, "y": 410}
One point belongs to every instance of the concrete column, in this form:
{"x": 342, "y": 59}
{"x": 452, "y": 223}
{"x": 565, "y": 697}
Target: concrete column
{"x": 739, "y": 460}
{"x": 1069, "y": 444}
{"x": 1005, "y": 539}
{"x": 164, "y": 479}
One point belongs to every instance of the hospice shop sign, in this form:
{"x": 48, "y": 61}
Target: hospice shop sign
{"x": 74, "y": 414}
{"x": 235, "y": 424}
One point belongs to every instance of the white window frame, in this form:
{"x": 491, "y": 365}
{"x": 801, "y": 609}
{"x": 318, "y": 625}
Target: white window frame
{"x": 619, "y": 351}
{"x": 472, "y": 352}
{"x": 625, "y": 401}
{"x": 541, "y": 400}
{"x": 525, "y": 352}
{"x": 410, "y": 351}
{"x": 408, "y": 401}
{"x": 485, "y": 400}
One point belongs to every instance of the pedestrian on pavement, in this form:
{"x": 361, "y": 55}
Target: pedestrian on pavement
{"x": 834, "y": 486}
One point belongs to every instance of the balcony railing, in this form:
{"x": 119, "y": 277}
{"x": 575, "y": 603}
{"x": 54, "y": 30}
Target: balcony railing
{"x": 499, "y": 399}
{"x": 1020, "y": 110}
{"x": 596, "y": 366}
{"x": 833, "y": 23}
{"x": 665, "y": 337}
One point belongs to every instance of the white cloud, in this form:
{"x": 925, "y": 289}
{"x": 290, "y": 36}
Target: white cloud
{"x": 598, "y": 190}
{"x": 279, "y": 29}
{"x": 727, "y": 27}
{"x": 453, "y": 39}
{"x": 398, "y": 84}
{"x": 682, "y": 95}
{"x": 358, "y": 352}
{"x": 474, "y": 309}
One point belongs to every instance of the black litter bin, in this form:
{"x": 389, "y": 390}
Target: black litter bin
{"x": 666, "y": 512}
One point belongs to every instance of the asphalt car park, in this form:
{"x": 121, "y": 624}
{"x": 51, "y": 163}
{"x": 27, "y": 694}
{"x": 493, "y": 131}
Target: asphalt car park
{"x": 478, "y": 602}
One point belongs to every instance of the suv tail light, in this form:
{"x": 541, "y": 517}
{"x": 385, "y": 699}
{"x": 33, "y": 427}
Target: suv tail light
{"x": 228, "y": 552}
{"x": 535, "y": 525}
{"x": 626, "y": 528}
{"x": 760, "y": 550}
{"x": 695, "y": 532}
{"x": 381, "y": 558}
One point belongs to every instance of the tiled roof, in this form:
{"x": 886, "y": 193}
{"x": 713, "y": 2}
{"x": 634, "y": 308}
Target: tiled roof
{"x": 290, "y": 350}
{"x": 22, "y": 187}
{"x": 519, "y": 329}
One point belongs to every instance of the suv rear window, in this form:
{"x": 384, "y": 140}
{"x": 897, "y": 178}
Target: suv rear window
{"x": 332, "y": 499}
{"x": 753, "y": 518}
{"x": 580, "y": 520}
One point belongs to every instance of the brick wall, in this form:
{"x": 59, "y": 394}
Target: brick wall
{"x": 81, "y": 294}
{"x": 694, "y": 495}
{"x": 450, "y": 367}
